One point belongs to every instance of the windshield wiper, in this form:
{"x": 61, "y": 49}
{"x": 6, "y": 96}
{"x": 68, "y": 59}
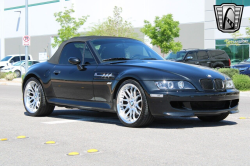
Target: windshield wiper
{"x": 149, "y": 59}
{"x": 112, "y": 59}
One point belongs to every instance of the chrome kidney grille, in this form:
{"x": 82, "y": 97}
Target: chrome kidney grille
{"x": 216, "y": 84}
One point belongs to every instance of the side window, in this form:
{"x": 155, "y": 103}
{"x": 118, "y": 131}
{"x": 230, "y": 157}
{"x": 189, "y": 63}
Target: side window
{"x": 202, "y": 55}
{"x": 192, "y": 54}
{"x": 88, "y": 57}
{"x": 217, "y": 54}
{"x": 16, "y": 59}
{"x": 74, "y": 49}
{"x": 23, "y": 58}
{"x": 29, "y": 63}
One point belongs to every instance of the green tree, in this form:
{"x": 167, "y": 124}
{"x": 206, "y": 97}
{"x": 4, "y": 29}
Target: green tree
{"x": 114, "y": 26}
{"x": 163, "y": 32}
{"x": 69, "y": 25}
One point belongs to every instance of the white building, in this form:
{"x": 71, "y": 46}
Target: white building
{"x": 196, "y": 17}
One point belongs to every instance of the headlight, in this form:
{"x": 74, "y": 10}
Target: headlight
{"x": 243, "y": 68}
{"x": 229, "y": 84}
{"x": 175, "y": 85}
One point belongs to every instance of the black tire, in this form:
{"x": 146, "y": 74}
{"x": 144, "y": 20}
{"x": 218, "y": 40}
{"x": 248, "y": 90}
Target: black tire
{"x": 214, "y": 118}
{"x": 18, "y": 73}
{"x": 44, "y": 108}
{"x": 145, "y": 118}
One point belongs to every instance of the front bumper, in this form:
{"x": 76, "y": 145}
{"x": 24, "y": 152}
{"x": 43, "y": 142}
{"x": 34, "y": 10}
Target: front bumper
{"x": 194, "y": 103}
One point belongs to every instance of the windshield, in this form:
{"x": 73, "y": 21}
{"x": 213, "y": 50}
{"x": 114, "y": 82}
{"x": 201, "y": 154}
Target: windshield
{"x": 178, "y": 56}
{"x": 6, "y": 58}
{"x": 18, "y": 63}
{"x": 123, "y": 49}
{"x": 248, "y": 60}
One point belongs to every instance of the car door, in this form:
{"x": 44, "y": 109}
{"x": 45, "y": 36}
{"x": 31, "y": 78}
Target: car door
{"x": 191, "y": 57}
{"x": 203, "y": 58}
{"x": 67, "y": 81}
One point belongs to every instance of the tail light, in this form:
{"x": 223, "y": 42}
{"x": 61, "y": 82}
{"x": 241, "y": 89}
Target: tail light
{"x": 229, "y": 61}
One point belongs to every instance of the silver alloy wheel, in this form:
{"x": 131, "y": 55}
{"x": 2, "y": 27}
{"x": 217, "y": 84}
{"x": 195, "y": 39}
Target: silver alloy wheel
{"x": 32, "y": 96}
{"x": 129, "y": 103}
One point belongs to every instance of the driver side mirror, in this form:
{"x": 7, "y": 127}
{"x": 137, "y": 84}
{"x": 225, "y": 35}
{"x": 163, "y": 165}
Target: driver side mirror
{"x": 74, "y": 61}
{"x": 189, "y": 58}
{"x": 11, "y": 61}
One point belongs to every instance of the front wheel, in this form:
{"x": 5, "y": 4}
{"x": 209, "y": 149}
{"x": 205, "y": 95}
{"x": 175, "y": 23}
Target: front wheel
{"x": 34, "y": 99}
{"x": 18, "y": 73}
{"x": 132, "y": 106}
{"x": 214, "y": 118}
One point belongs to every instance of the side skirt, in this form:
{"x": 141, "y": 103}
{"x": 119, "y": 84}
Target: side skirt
{"x": 88, "y": 105}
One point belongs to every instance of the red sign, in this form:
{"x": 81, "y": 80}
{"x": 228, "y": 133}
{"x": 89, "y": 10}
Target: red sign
{"x": 26, "y": 40}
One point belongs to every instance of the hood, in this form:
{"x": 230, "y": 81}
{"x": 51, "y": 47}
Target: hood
{"x": 242, "y": 64}
{"x": 186, "y": 71}
{"x": 3, "y": 63}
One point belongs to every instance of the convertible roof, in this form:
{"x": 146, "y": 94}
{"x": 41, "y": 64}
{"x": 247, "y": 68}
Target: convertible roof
{"x": 55, "y": 58}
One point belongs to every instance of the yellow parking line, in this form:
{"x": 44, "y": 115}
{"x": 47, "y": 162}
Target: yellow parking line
{"x": 242, "y": 117}
{"x": 92, "y": 150}
{"x": 4, "y": 139}
{"x": 73, "y": 153}
{"x": 21, "y": 137}
{"x": 50, "y": 142}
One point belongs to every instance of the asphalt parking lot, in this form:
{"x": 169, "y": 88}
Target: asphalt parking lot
{"x": 168, "y": 141}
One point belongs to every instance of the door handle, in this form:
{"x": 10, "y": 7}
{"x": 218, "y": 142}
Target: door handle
{"x": 196, "y": 63}
{"x": 208, "y": 62}
{"x": 56, "y": 72}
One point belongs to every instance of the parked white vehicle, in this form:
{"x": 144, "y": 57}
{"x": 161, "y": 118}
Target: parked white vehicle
{"x": 18, "y": 67}
{"x": 9, "y": 60}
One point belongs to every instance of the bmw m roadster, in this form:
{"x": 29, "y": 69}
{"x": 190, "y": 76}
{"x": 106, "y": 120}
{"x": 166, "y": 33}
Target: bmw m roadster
{"x": 125, "y": 76}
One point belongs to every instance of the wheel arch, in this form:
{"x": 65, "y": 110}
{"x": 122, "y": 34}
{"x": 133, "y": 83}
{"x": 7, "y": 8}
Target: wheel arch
{"x": 121, "y": 81}
{"x": 28, "y": 77}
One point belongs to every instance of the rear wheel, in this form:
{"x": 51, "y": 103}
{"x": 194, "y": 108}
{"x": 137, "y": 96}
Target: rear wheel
{"x": 132, "y": 106}
{"x": 18, "y": 73}
{"x": 214, "y": 118}
{"x": 34, "y": 99}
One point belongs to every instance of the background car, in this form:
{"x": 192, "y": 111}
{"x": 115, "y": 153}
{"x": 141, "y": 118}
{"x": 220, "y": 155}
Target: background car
{"x": 243, "y": 67}
{"x": 203, "y": 57}
{"x": 18, "y": 67}
{"x": 126, "y": 77}
{"x": 235, "y": 61}
{"x": 9, "y": 60}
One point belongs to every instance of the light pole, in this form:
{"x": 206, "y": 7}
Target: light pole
{"x": 2, "y": 46}
{"x": 26, "y": 34}
{"x": 17, "y": 27}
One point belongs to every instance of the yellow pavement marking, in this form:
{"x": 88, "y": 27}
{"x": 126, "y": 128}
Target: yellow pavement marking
{"x": 92, "y": 150}
{"x": 4, "y": 139}
{"x": 21, "y": 136}
{"x": 50, "y": 142}
{"x": 73, "y": 154}
{"x": 242, "y": 118}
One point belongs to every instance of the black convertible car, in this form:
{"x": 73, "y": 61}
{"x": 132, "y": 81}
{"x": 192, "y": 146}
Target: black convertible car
{"x": 125, "y": 76}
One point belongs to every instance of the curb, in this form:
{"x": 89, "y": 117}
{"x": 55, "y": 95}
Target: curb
{"x": 11, "y": 83}
{"x": 16, "y": 81}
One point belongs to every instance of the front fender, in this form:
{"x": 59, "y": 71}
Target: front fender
{"x": 42, "y": 75}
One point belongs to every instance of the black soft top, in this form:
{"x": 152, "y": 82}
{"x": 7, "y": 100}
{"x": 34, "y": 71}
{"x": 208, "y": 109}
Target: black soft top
{"x": 55, "y": 58}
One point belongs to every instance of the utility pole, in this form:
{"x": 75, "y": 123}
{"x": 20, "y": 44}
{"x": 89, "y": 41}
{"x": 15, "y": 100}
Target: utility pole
{"x": 26, "y": 34}
{"x": 2, "y": 46}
